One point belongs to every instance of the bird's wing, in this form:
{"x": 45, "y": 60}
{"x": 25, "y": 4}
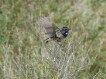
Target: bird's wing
{"x": 50, "y": 28}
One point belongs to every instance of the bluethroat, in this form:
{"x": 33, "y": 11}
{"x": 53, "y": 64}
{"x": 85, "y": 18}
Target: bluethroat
{"x": 51, "y": 30}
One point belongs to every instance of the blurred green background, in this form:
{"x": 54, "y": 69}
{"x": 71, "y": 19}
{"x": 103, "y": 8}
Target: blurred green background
{"x": 23, "y": 53}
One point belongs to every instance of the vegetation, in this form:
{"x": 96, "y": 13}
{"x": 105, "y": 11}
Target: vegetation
{"x": 24, "y": 54}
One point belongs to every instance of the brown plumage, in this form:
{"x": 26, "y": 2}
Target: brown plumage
{"x": 50, "y": 27}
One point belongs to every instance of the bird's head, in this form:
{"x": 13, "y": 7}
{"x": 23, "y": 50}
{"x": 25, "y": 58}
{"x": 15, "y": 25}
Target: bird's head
{"x": 65, "y": 31}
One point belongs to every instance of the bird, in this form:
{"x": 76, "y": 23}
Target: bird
{"x": 51, "y": 30}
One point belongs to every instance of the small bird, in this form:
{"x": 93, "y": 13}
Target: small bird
{"x": 51, "y": 30}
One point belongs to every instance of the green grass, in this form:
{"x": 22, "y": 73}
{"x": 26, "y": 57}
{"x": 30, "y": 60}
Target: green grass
{"x": 24, "y": 54}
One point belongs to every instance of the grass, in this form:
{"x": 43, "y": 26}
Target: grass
{"x": 24, "y": 54}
